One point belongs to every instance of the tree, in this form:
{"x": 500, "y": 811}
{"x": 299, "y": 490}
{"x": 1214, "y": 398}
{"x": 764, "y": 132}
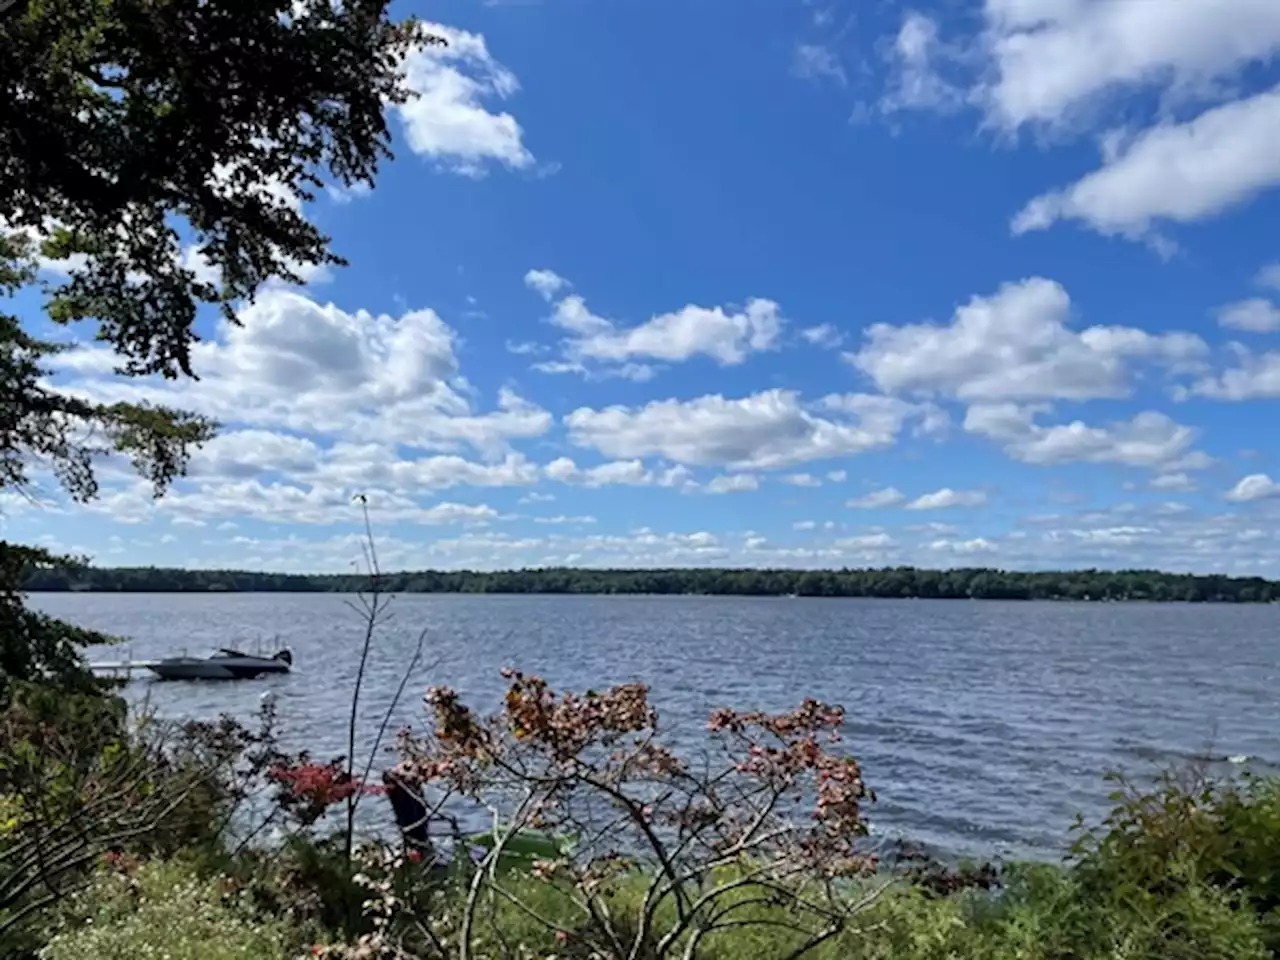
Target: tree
{"x": 160, "y": 152}
{"x": 654, "y": 854}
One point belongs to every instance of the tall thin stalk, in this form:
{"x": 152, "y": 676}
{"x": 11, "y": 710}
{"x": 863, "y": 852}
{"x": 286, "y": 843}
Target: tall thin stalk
{"x": 372, "y": 604}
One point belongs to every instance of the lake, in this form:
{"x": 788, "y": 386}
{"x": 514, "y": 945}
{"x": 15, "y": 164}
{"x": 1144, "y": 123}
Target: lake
{"x": 984, "y": 727}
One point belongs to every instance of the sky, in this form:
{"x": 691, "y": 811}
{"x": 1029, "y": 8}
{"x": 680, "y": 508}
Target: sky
{"x": 762, "y": 283}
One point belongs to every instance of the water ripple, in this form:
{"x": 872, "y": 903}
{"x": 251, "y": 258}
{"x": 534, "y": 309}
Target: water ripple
{"x": 983, "y": 727}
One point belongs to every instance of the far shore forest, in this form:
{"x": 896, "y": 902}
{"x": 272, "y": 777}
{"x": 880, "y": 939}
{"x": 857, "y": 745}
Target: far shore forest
{"x": 892, "y": 582}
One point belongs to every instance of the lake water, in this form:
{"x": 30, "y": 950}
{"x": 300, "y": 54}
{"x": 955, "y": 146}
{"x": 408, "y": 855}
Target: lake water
{"x": 984, "y": 727}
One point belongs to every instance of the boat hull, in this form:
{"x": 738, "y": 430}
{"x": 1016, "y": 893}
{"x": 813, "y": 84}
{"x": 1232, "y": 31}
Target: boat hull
{"x": 192, "y": 668}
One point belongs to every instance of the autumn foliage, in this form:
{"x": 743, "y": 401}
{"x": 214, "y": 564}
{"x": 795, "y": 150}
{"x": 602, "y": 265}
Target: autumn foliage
{"x": 770, "y": 811}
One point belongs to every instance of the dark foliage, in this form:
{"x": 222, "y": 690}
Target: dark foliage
{"x": 160, "y": 150}
{"x": 977, "y": 583}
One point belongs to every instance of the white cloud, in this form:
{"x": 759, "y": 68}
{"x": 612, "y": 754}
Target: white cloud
{"x": 559, "y": 520}
{"x": 804, "y": 525}
{"x": 765, "y": 430}
{"x": 547, "y": 283}
{"x": 802, "y": 480}
{"x": 1256, "y": 486}
{"x": 447, "y": 121}
{"x": 811, "y": 61}
{"x": 870, "y": 541}
{"x": 888, "y": 497}
{"x": 726, "y": 337}
{"x": 284, "y": 502}
{"x": 631, "y": 473}
{"x": 1181, "y": 172}
{"x": 457, "y": 513}
{"x": 823, "y": 335}
{"x": 915, "y": 81}
{"x": 1257, "y": 377}
{"x": 733, "y": 483}
{"x": 635, "y": 372}
{"x": 340, "y": 194}
{"x": 1150, "y": 439}
{"x": 627, "y": 472}
{"x": 946, "y": 497}
{"x": 1015, "y": 344}
{"x": 525, "y": 348}
{"x": 1173, "y": 482}
{"x": 355, "y": 467}
{"x": 1255, "y": 315}
{"x": 976, "y": 545}
{"x": 1269, "y": 276}
{"x": 295, "y": 364}
{"x": 248, "y": 453}
{"x": 838, "y": 476}
{"x": 1052, "y": 60}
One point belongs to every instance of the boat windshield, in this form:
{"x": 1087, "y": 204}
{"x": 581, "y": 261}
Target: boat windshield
{"x": 227, "y": 652}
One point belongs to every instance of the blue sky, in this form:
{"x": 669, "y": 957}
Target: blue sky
{"x": 780, "y": 283}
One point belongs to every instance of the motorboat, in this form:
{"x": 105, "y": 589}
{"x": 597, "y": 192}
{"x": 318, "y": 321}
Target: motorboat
{"x": 226, "y": 664}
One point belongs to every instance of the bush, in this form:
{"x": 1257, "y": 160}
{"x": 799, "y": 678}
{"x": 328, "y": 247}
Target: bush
{"x": 77, "y": 782}
{"x": 162, "y": 910}
{"x": 1187, "y": 844}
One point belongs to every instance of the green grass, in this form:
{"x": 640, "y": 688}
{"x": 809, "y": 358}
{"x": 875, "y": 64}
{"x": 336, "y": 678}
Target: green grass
{"x": 1178, "y": 871}
{"x": 162, "y": 911}
{"x": 1044, "y": 914}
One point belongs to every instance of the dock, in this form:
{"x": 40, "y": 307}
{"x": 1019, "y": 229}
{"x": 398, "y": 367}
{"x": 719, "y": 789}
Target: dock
{"x": 117, "y": 667}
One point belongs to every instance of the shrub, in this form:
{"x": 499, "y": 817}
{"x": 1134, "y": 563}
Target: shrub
{"x": 77, "y": 783}
{"x": 162, "y": 910}
{"x": 1184, "y": 844}
{"x": 761, "y": 830}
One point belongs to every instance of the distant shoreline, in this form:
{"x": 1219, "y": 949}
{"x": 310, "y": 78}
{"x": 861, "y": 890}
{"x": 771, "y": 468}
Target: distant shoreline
{"x": 890, "y": 582}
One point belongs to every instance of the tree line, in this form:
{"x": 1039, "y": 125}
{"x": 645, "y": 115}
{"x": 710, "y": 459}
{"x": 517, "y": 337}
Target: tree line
{"x": 974, "y": 582}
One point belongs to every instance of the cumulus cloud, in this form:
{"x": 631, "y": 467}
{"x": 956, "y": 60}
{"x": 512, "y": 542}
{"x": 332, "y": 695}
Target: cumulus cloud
{"x": 631, "y": 473}
{"x": 298, "y": 365}
{"x": 733, "y": 483}
{"x": 765, "y": 430}
{"x": 888, "y": 497}
{"x": 279, "y": 502}
{"x": 1062, "y": 65}
{"x": 547, "y": 283}
{"x": 361, "y": 466}
{"x": 823, "y": 335}
{"x": 946, "y": 498}
{"x": 975, "y": 545}
{"x": 1256, "y": 377}
{"x": 1173, "y": 483}
{"x": 802, "y": 480}
{"x": 1053, "y": 60}
{"x": 1015, "y": 344}
{"x": 1256, "y": 486}
{"x": 728, "y": 337}
{"x": 1255, "y": 315}
{"x": 448, "y": 120}
{"x": 1180, "y": 172}
{"x": 1150, "y": 439}
{"x": 248, "y": 453}
{"x": 870, "y": 541}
